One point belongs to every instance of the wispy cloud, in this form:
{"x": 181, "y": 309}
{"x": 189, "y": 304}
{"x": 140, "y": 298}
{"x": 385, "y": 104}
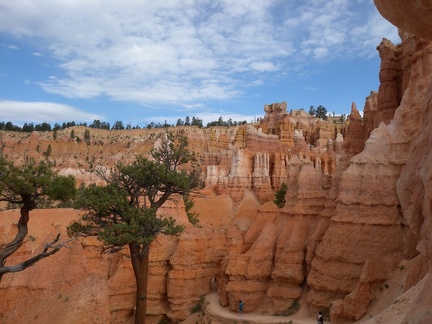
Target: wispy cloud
{"x": 312, "y": 88}
{"x": 14, "y": 47}
{"x": 39, "y": 112}
{"x": 186, "y": 52}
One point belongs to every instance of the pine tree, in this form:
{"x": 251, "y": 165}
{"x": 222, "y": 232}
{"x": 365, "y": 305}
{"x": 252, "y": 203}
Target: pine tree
{"x": 48, "y": 151}
{"x": 124, "y": 212}
{"x": 192, "y": 216}
{"x": 27, "y": 185}
{"x": 87, "y": 136}
{"x": 279, "y": 199}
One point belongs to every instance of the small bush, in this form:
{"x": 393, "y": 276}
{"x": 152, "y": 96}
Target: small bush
{"x": 199, "y": 306}
{"x": 279, "y": 197}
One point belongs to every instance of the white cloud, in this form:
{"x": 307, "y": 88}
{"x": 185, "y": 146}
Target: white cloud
{"x": 320, "y": 52}
{"x": 38, "y": 112}
{"x": 187, "y": 52}
{"x": 263, "y": 66}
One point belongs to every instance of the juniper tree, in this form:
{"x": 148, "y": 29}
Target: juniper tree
{"x": 124, "y": 212}
{"x": 87, "y": 136}
{"x": 27, "y": 185}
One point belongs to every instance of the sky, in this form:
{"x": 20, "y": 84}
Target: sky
{"x": 142, "y": 61}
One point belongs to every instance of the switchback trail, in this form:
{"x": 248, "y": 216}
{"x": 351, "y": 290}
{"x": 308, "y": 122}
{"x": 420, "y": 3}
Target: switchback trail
{"x": 215, "y": 309}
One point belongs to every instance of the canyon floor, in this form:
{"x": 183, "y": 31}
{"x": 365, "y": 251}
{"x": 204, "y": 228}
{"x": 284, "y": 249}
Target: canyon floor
{"x": 391, "y": 307}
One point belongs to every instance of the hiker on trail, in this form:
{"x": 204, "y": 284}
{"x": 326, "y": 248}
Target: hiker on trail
{"x": 213, "y": 284}
{"x": 320, "y": 318}
{"x": 240, "y": 308}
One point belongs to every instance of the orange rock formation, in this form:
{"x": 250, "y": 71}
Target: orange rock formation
{"x": 358, "y": 204}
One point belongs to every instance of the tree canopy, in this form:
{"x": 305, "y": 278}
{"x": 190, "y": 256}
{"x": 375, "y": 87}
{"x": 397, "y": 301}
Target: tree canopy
{"x": 318, "y": 112}
{"x": 124, "y": 212}
{"x": 27, "y": 185}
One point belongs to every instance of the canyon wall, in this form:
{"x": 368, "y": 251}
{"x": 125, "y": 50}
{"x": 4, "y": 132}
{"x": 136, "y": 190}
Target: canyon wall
{"x": 415, "y": 117}
{"x": 242, "y": 167}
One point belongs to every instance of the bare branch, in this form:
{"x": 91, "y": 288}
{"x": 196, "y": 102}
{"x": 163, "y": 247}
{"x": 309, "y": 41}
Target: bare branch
{"x": 50, "y": 249}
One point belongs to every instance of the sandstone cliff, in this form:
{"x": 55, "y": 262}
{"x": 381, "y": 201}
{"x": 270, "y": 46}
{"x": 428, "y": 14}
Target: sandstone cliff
{"x": 242, "y": 167}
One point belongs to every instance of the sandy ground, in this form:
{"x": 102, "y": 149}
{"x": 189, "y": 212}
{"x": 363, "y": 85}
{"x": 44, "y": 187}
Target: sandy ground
{"x": 216, "y": 310}
{"x": 396, "y": 312}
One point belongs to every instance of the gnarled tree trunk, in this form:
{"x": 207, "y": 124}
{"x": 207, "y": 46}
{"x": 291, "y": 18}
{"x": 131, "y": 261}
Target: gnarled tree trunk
{"x": 17, "y": 242}
{"x": 140, "y": 261}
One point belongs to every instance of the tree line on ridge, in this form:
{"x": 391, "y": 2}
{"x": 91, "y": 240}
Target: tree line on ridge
{"x": 118, "y": 125}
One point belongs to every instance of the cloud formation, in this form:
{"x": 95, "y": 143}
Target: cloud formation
{"x": 39, "y": 112}
{"x": 187, "y": 52}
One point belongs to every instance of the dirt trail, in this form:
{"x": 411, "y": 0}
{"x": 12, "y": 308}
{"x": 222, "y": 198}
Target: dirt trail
{"x": 391, "y": 306}
{"x": 215, "y": 309}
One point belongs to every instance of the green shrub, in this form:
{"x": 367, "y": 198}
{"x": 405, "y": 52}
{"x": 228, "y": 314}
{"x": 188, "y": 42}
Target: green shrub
{"x": 199, "y": 306}
{"x": 279, "y": 197}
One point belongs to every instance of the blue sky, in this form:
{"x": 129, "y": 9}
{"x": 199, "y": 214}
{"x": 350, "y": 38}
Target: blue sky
{"x": 140, "y": 61}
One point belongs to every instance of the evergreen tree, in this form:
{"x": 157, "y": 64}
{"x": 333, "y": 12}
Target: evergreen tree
{"x": 187, "y": 121}
{"x": 11, "y": 127}
{"x": 48, "y": 151}
{"x": 279, "y": 199}
{"x": 321, "y": 112}
{"x": 106, "y": 125}
{"x": 28, "y": 127}
{"x": 192, "y": 216}
{"x": 312, "y": 111}
{"x": 27, "y": 185}
{"x": 123, "y": 213}
{"x": 87, "y": 136}
{"x": 43, "y": 127}
{"x": 96, "y": 124}
{"x": 118, "y": 125}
